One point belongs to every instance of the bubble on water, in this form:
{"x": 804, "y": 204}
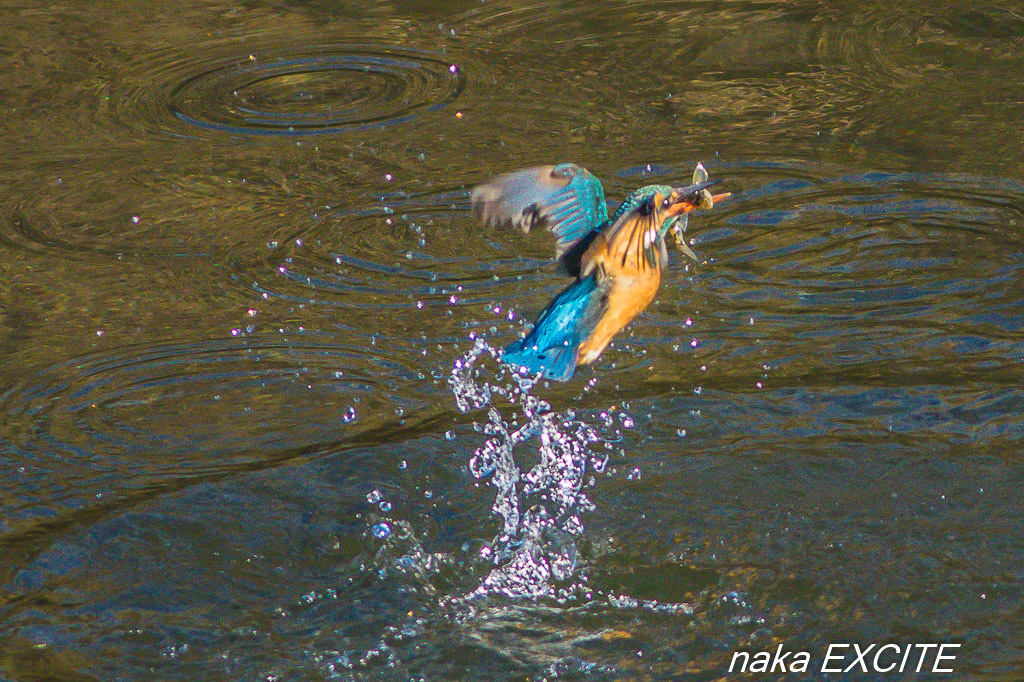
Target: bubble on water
{"x": 381, "y": 530}
{"x": 374, "y": 497}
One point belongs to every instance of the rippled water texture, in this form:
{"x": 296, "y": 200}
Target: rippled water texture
{"x": 253, "y": 425}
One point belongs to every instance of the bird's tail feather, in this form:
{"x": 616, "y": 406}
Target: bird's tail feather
{"x": 557, "y": 363}
{"x": 552, "y": 348}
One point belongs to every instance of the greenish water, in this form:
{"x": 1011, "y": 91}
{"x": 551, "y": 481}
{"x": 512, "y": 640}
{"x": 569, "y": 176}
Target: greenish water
{"x": 249, "y": 424}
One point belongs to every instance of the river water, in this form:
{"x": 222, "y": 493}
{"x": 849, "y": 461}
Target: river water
{"x": 251, "y": 422}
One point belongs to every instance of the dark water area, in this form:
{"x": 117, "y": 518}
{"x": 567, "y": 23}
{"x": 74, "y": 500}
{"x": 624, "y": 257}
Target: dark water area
{"x": 251, "y": 425}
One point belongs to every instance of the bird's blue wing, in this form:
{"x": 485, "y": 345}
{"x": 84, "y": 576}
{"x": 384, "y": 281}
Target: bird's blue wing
{"x": 566, "y": 198}
{"x": 551, "y": 349}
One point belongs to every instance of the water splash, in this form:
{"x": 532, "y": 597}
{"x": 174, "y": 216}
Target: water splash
{"x": 535, "y": 552}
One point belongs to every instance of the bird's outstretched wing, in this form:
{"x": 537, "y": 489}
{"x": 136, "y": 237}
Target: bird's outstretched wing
{"x": 566, "y": 198}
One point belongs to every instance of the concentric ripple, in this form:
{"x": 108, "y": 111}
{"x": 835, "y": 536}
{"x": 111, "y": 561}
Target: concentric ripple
{"x": 395, "y": 253}
{"x": 176, "y": 413}
{"x": 108, "y": 207}
{"x": 930, "y": 261}
{"x": 327, "y": 89}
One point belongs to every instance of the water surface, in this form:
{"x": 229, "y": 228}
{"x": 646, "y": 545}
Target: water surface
{"x": 252, "y": 425}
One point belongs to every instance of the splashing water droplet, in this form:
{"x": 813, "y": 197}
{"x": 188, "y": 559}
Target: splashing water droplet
{"x": 535, "y": 552}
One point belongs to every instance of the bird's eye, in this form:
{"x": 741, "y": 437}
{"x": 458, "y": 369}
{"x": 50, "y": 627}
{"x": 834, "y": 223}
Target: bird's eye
{"x": 665, "y": 203}
{"x": 645, "y": 207}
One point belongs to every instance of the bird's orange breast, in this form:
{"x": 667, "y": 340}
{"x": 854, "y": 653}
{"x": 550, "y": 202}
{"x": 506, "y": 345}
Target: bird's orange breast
{"x": 633, "y": 283}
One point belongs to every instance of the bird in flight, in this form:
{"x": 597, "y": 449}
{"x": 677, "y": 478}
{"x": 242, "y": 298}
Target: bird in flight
{"x": 616, "y": 260}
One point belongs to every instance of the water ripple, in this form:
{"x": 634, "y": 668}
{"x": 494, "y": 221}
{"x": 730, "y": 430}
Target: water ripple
{"x": 322, "y": 90}
{"x": 395, "y": 253}
{"x": 860, "y": 276}
{"x": 175, "y": 413}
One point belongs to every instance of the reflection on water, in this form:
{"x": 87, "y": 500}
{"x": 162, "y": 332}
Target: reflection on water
{"x": 252, "y": 425}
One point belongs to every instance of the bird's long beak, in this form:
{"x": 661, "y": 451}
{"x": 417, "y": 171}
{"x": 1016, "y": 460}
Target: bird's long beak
{"x": 696, "y": 196}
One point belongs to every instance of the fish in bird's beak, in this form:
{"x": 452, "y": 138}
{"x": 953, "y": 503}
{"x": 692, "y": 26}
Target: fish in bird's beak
{"x": 693, "y": 196}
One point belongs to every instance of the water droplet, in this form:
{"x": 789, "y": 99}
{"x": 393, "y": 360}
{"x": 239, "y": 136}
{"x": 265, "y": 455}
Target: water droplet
{"x": 681, "y": 433}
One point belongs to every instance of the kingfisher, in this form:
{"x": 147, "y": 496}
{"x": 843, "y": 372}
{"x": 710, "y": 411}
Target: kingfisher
{"x": 616, "y": 260}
